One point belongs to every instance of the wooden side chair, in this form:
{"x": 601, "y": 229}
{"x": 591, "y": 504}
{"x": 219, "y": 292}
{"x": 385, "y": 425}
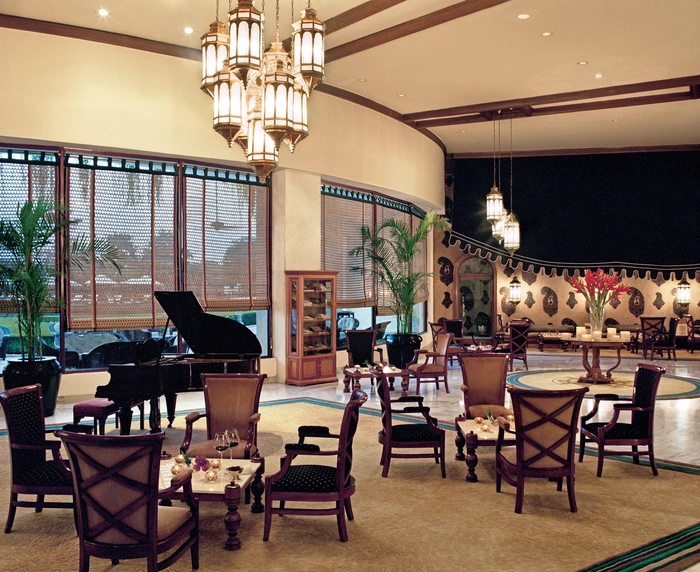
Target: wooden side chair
{"x": 408, "y": 435}
{"x": 692, "y": 334}
{"x": 517, "y": 346}
{"x": 116, "y": 480}
{"x": 650, "y": 326}
{"x": 665, "y": 341}
{"x": 435, "y": 329}
{"x": 484, "y": 384}
{"x": 362, "y": 349}
{"x": 545, "y": 434}
{"x": 639, "y": 432}
{"x": 310, "y": 483}
{"x": 456, "y": 328}
{"x": 434, "y": 365}
{"x": 231, "y": 401}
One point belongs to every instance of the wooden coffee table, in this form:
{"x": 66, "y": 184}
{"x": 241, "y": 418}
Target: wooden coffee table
{"x": 469, "y": 433}
{"x": 356, "y": 375}
{"x": 221, "y": 490}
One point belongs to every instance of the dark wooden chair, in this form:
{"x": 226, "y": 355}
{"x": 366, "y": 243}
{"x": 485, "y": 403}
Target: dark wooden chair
{"x": 484, "y": 384}
{"x": 362, "y": 349}
{"x": 502, "y": 334}
{"x": 231, "y": 401}
{"x": 650, "y": 326}
{"x": 517, "y": 345}
{"x": 309, "y": 483}
{"x": 456, "y": 328}
{"x": 434, "y": 365}
{"x": 408, "y": 435}
{"x": 116, "y": 480}
{"x": 30, "y": 472}
{"x": 435, "y": 329}
{"x": 692, "y": 334}
{"x": 639, "y": 432}
{"x": 545, "y": 434}
{"x": 665, "y": 341}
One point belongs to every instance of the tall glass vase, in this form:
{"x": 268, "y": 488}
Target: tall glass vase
{"x": 597, "y": 317}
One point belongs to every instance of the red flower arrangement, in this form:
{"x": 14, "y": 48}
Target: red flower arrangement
{"x": 598, "y": 288}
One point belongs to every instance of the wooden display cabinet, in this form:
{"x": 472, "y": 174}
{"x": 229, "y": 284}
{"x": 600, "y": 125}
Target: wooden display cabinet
{"x": 311, "y": 327}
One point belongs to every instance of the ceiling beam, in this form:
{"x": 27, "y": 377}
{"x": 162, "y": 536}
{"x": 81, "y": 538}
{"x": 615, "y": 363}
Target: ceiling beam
{"x": 459, "y": 10}
{"x": 358, "y": 13}
{"x": 584, "y": 151}
{"x": 559, "y": 97}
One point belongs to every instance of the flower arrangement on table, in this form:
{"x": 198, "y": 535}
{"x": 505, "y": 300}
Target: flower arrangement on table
{"x": 599, "y": 288}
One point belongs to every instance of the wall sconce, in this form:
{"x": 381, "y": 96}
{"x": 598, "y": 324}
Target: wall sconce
{"x": 515, "y": 291}
{"x": 683, "y": 292}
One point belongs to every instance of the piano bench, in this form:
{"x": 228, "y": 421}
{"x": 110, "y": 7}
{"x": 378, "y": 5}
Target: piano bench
{"x": 100, "y": 408}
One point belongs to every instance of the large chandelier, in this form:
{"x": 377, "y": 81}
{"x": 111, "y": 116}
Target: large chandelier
{"x": 260, "y": 99}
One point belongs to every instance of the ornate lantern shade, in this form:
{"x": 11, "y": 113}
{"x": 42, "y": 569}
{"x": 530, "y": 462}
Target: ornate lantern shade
{"x": 300, "y": 121}
{"x": 262, "y": 152}
{"x": 308, "y": 48}
{"x": 214, "y": 54}
{"x": 494, "y": 205}
{"x": 229, "y": 103}
{"x": 515, "y": 291}
{"x": 246, "y": 43}
{"x": 683, "y": 292}
{"x": 498, "y": 229}
{"x": 511, "y": 234}
{"x": 278, "y": 94}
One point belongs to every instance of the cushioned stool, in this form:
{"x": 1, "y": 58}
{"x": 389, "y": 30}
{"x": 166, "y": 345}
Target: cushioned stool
{"x": 100, "y": 408}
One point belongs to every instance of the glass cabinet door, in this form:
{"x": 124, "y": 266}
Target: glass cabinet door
{"x": 318, "y": 313}
{"x": 293, "y": 343}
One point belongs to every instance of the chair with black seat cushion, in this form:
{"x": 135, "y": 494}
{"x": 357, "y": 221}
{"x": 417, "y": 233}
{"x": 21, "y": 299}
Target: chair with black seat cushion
{"x": 116, "y": 481}
{"x": 311, "y": 483}
{"x": 650, "y": 326}
{"x": 639, "y": 432}
{"x": 434, "y": 365}
{"x": 545, "y": 435}
{"x": 30, "y": 472}
{"x": 231, "y": 401}
{"x": 362, "y": 349}
{"x": 456, "y": 328}
{"x": 408, "y": 435}
{"x": 484, "y": 384}
{"x": 665, "y": 341}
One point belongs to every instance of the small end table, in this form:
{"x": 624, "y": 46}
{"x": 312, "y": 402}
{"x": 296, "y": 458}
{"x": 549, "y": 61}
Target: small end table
{"x": 354, "y": 374}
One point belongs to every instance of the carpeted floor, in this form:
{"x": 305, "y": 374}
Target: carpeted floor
{"x": 413, "y": 520}
{"x": 670, "y": 386}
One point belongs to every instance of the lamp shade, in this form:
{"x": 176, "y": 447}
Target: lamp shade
{"x": 300, "y": 121}
{"x": 494, "y": 205}
{"x": 683, "y": 292}
{"x": 245, "y": 39}
{"x": 308, "y": 49}
{"x": 278, "y": 94}
{"x": 229, "y": 102}
{"x": 498, "y": 228}
{"x": 214, "y": 54}
{"x": 262, "y": 152}
{"x": 515, "y": 291}
{"x": 511, "y": 234}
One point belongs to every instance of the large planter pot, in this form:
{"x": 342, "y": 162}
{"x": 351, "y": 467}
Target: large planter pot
{"x": 45, "y": 371}
{"x": 400, "y": 348}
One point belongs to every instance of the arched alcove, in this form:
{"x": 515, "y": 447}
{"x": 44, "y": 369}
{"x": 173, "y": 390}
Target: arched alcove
{"x": 475, "y": 295}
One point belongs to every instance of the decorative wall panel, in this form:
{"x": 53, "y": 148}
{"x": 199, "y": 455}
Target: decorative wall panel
{"x": 550, "y": 302}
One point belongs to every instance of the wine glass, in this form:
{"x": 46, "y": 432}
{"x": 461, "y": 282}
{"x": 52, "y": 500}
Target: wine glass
{"x": 221, "y": 443}
{"x": 233, "y": 440}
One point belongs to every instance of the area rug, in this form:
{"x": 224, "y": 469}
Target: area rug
{"x": 670, "y": 386}
{"x": 413, "y": 520}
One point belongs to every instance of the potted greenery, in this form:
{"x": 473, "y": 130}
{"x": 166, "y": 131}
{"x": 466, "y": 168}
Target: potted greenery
{"x": 27, "y": 277}
{"x": 390, "y": 251}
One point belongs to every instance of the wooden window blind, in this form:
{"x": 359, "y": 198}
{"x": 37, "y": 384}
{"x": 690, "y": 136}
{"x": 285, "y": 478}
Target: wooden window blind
{"x": 420, "y": 262}
{"x": 387, "y": 209}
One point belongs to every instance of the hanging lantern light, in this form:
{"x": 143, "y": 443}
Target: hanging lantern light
{"x": 300, "y": 121}
{"x": 308, "y": 49}
{"x": 511, "y": 234}
{"x": 494, "y": 205}
{"x": 683, "y": 292}
{"x": 498, "y": 229}
{"x": 214, "y": 53}
{"x": 515, "y": 291}
{"x": 245, "y": 40}
{"x": 262, "y": 152}
{"x": 278, "y": 94}
{"x": 229, "y": 102}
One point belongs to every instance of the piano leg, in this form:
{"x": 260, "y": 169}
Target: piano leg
{"x": 154, "y": 416}
{"x": 170, "y": 402}
{"x": 124, "y": 413}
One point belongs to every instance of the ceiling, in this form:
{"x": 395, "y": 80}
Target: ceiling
{"x": 476, "y": 55}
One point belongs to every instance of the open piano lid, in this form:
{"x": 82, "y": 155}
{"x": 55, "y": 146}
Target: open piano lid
{"x": 207, "y": 333}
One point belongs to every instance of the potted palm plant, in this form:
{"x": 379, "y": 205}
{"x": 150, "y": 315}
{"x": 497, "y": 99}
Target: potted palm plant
{"x": 390, "y": 251}
{"x": 27, "y": 278}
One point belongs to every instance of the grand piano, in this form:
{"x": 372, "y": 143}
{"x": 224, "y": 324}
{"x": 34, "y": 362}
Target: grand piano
{"x": 218, "y": 344}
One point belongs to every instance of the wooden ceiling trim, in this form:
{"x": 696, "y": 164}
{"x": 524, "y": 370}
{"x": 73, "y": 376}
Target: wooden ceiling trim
{"x": 358, "y": 13}
{"x": 584, "y": 151}
{"x": 687, "y": 81}
{"x": 91, "y": 35}
{"x": 459, "y": 10}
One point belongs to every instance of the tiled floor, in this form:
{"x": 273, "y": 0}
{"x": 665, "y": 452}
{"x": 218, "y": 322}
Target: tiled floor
{"x": 677, "y": 422}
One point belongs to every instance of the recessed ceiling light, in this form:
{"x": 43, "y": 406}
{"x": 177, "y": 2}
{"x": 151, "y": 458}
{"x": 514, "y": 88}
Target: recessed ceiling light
{"x": 402, "y": 95}
{"x": 598, "y": 75}
{"x": 546, "y": 34}
{"x": 523, "y": 16}
{"x": 463, "y": 131}
{"x": 188, "y": 30}
{"x": 615, "y": 120}
{"x": 583, "y": 63}
{"x": 362, "y": 80}
{"x": 103, "y": 12}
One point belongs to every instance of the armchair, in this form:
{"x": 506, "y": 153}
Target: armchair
{"x": 434, "y": 366}
{"x": 456, "y": 328}
{"x": 545, "y": 434}
{"x": 517, "y": 345}
{"x": 231, "y": 401}
{"x": 638, "y": 432}
{"x": 408, "y": 435}
{"x": 665, "y": 341}
{"x": 116, "y": 489}
{"x": 310, "y": 483}
{"x": 484, "y": 384}
{"x": 650, "y": 326}
{"x": 692, "y": 334}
